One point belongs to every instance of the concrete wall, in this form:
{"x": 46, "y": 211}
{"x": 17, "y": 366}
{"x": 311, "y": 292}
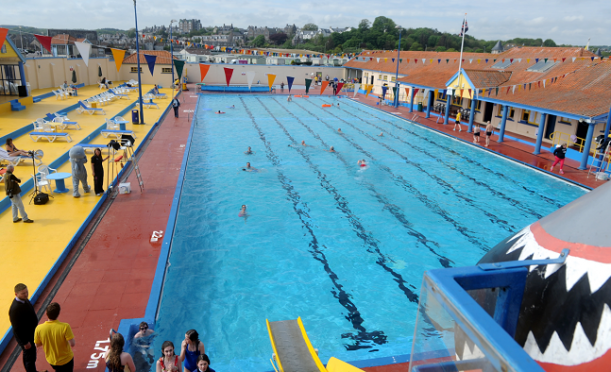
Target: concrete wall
{"x": 216, "y": 74}
{"x": 44, "y": 73}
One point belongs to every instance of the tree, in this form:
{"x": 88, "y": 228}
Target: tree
{"x": 278, "y": 38}
{"x": 131, "y": 33}
{"x": 383, "y": 24}
{"x": 309, "y": 27}
{"x": 440, "y": 49}
{"x": 416, "y": 46}
{"x": 259, "y": 41}
{"x": 364, "y": 25}
{"x": 549, "y": 43}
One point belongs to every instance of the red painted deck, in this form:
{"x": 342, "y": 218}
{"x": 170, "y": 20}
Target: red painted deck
{"x": 112, "y": 277}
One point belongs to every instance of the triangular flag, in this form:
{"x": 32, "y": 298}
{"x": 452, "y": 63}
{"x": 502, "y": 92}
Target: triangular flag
{"x": 415, "y": 60}
{"x": 228, "y": 73}
{"x": 545, "y": 59}
{"x": 3, "y": 33}
{"x": 118, "y": 55}
{"x": 250, "y": 77}
{"x": 543, "y": 83}
{"x": 308, "y": 82}
{"x": 592, "y": 59}
{"x": 150, "y": 61}
{"x": 447, "y": 60}
{"x": 270, "y": 81}
{"x": 470, "y": 60}
{"x": 407, "y": 91}
{"x": 574, "y": 58}
{"x": 478, "y": 60}
{"x": 461, "y": 91}
{"x": 527, "y": 60}
{"x": 83, "y": 49}
{"x": 431, "y": 60}
{"x": 486, "y": 60}
{"x": 356, "y": 88}
{"x": 339, "y": 87}
{"x": 469, "y": 90}
{"x": 513, "y": 90}
{"x": 385, "y": 59}
{"x": 507, "y": 92}
{"x": 416, "y": 91}
{"x": 369, "y": 88}
{"x": 511, "y": 60}
{"x": 438, "y": 61}
{"x": 423, "y": 60}
{"x": 179, "y": 66}
{"x": 155, "y": 38}
{"x": 290, "y": 80}
{"x": 203, "y": 70}
{"x": 536, "y": 60}
{"x": 393, "y": 60}
{"x": 45, "y": 41}
{"x": 563, "y": 59}
{"x": 384, "y": 90}
{"x": 378, "y": 60}
{"x": 324, "y": 85}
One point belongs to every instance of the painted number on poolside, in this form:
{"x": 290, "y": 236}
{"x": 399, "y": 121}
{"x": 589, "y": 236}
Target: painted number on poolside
{"x": 156, "y": 236}
{"x": 95, "y": 357}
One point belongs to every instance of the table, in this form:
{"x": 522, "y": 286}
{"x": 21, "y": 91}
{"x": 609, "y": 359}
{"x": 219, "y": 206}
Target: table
{"x": 59, "y": 177}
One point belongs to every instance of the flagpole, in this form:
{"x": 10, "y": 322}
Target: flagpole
{"x": 462, "y": 44}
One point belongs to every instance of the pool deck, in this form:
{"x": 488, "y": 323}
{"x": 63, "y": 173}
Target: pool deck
{"x": 108, "y": 274}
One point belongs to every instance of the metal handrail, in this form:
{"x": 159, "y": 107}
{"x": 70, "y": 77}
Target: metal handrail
{"x": 558, "y": 137}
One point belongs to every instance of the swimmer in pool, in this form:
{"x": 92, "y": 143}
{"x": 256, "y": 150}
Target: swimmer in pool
{"x": 249, "y": 151}
{"x": 289, "y": 98}
{"x": 381, "y": 134}
{"x": 339, "y": 130}
{"x": 331, "y": 149}
{"x": 220, "y": 112}
{"x": 249, "y": 168}
{"x": 232, "y": 107}
{"x": 338, "y": 105}
{"x": 362, "y": 163}
{"x": 303, "y": 144}
{"x": 242, "y": 211}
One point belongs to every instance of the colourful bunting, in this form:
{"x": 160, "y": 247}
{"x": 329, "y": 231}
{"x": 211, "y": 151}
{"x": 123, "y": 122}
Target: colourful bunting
{"x": 45, "y": 41}
{"x": 270, "y": 81}
{"x": 290, "y": 80}
{"x": 178, "y": 65}
{"x": 203, "y": 70}
{"x": 118, "y": 55}
{"x": 228, "y": 73}
{"x": 150, "y": 61}
{"x": 323, "y": 86}
{"x": 3, "y": 33}
{"x": 339, "y": 88}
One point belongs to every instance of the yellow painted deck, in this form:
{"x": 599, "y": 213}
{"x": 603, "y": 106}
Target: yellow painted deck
{"x": 29, "y": 250}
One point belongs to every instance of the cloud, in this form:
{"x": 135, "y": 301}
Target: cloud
{"x": 566, "y": 22}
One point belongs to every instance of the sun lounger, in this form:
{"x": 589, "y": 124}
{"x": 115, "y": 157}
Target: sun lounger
{"x": 89, "y": 110}
{"x": 119, "y": 95}
{"x": 150, "y": 104}
{"x": 91, "y": 147}
{"x": 49, "y": 136}
{"x": 65, "y": 123}
{"x": 12, "y": 160}
{"x": 117, "y": 133}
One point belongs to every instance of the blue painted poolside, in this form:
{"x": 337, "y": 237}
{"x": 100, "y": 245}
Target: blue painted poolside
{"x": 340, "y": 245}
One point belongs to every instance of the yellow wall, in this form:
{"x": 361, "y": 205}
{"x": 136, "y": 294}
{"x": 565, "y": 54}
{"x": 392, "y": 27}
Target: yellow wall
{"x": 44, "y": 73}
{"x": 459, "y": 83}
{"x": 10, "y": 52}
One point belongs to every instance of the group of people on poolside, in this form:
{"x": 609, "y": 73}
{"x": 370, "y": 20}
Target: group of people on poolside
{"x": 477, "y": 132}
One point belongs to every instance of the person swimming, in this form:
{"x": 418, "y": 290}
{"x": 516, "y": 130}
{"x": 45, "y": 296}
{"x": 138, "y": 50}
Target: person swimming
{"x": 331, "y": 149}
{"x": 362, "y": 163}
{"x": 339, "y": 130}
{"x": 249, "y": 151}
{"x": 381, "y": 134}
{"x": 338, "y": 105}
{"x": 289, "y": 98}
{"x": 232, "y": 107}
{"x": 219, "y": 112}
{"x": 249, "y": 168}
{"x": 303, "y": 144}
{"x": 242, "y": 212}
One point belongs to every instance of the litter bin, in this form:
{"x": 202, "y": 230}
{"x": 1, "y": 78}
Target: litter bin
{"x": 135, "y": 117}
{"x": 184, "y": 86}
{"x": 420, "y": 107}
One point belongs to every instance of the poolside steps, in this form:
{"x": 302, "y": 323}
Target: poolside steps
{"x": 17, "y": 106}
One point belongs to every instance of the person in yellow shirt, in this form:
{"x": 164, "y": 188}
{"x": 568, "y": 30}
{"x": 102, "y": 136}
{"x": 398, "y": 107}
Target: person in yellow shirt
{"x": 57, "y": 340}
{"x": 457, "y": 122}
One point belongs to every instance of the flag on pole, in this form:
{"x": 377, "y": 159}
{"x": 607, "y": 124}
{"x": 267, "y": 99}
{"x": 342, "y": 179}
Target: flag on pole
{"x": 464, "y": 28}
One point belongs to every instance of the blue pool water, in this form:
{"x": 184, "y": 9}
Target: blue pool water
{"x": 343, "y": 247}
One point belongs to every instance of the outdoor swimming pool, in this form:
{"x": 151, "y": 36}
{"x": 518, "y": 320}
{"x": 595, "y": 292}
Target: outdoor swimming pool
{"x": 343, "y": 247}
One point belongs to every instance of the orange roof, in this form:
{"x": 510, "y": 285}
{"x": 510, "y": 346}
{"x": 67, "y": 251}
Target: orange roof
{"x": 62, "y": 39}
{"x": 163, "y": 57}
{"x": 486, "y": 78}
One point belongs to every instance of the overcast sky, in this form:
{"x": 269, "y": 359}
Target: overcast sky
{"x": 564, "y": 21}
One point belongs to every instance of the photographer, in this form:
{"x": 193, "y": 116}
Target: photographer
{"x": 13, "y": 191}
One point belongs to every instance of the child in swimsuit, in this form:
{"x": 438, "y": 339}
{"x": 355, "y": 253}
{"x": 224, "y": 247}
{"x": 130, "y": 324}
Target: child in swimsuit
{"x": 191, "y": 349}
{"x": 169, "y": 361}
{"x": 203, "y": 364}
{"x": 476, "y": 134}
{"x": 242, "y": 211}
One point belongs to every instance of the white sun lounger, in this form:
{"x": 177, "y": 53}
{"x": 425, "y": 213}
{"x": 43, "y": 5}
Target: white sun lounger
{"x": 12, "y": 160}
{"x": 117, "y": 133}
{"x": 49, "y": 136}
{"x": 90, "y": 110}
{"x": 91, "y": 147}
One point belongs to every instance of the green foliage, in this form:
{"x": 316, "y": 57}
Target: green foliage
{"x": 131, "y": 33}
{"x": 310, "y": 27}
{"x": 259, "y": 41}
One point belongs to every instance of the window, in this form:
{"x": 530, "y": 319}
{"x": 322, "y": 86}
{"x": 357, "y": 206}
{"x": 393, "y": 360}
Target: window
{"x": 510, "y": 113}
{"x": 385, "y": 77}
{"x": 441, "y": 96}
{"x": 564, "y": 120}
{"x": 166, "y": 70}
{"x": 541, "y": 66}
{"x": 457, "y": 100}
{"x": 525, "y": 115}
{"x": 393, "y": 79}
{"x": 530, "y": 117}
{"x": 135, "y": 69}
{"x": 3, "y": 50}
{"x": 478, "y": 106}
{"x": 379, "y": 77}
{"x": 501, "y": 64}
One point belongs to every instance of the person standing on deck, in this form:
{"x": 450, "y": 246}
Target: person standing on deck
{"x": 57, "y": 340}
{"x": 489, "y": 132}
{"x": 24, "y": 322}
{"x": 13, "y": 191}
{"x": 175, "y": 105}
{"x": 457, "y": 122}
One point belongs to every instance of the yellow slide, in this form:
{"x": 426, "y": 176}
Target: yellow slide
{"x": 294, "y": 352}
